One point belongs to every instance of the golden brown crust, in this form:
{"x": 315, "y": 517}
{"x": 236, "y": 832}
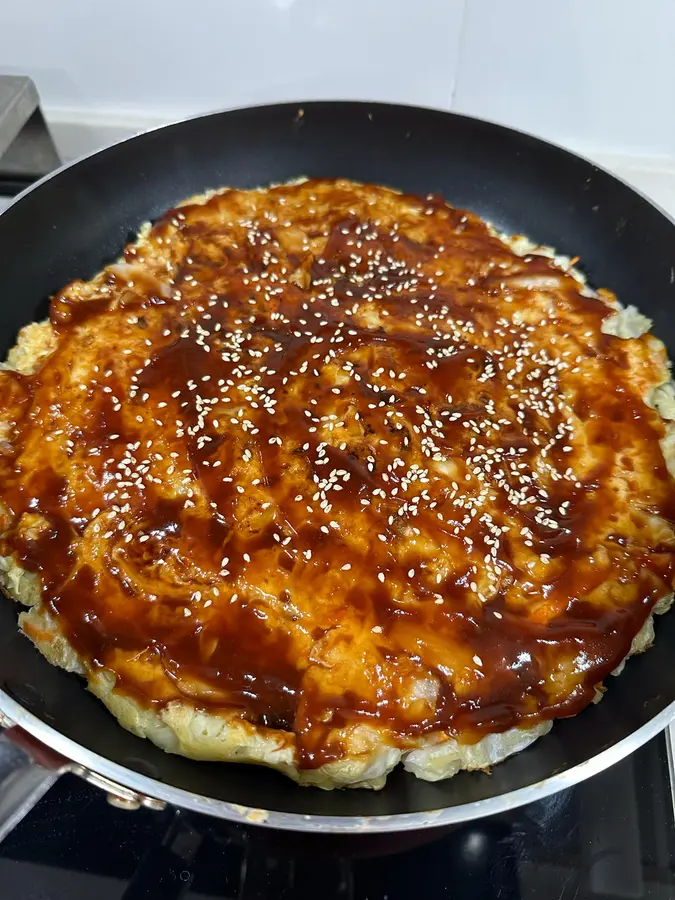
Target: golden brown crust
{"x": 182, "y": 723}
{"x": 200, "y": 734}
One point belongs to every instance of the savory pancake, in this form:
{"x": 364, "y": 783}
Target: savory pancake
{"x": 327, "y": 477}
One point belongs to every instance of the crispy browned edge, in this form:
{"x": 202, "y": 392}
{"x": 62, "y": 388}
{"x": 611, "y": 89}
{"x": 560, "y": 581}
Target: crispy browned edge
{"x": 184, "y": 728}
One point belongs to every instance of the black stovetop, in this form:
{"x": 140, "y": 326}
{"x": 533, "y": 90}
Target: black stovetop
{"x": 610, "y": 838}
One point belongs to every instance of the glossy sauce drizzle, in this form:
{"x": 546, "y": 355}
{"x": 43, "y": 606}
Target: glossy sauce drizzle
{"x": 326, "y": 455}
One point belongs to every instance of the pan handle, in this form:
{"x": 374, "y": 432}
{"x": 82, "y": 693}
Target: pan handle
{"x": 25, "y": 777}
{"x": 28, "y": 768}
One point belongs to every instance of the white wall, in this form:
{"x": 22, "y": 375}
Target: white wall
{"x": 183, "y": 56}
{"x": 598, "y": 75}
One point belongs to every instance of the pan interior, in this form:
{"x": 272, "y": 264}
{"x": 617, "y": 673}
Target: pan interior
{"x": 75, "y": 222}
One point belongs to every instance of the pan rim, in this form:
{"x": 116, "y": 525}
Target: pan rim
{"x": 146, "y": 786}
{"x": 295, "y": 105}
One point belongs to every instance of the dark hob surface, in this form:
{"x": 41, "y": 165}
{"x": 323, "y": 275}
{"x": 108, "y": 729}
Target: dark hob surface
{"x": 610, "y": 838}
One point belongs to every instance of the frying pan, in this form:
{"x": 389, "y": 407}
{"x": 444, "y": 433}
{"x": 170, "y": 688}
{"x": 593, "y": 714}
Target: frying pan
{"x": 79, "y": 218}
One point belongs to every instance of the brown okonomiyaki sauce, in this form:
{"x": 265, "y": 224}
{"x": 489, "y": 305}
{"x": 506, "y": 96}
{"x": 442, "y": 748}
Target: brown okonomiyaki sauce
{"x": 327, "y": 454}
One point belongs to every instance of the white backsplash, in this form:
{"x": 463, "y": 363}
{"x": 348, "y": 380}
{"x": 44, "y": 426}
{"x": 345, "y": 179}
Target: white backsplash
{"x": 173, "y": 58}
{"x": 595, "y": 75}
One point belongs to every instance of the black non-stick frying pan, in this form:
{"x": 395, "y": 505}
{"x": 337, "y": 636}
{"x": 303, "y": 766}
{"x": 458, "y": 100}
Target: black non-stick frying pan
{"x": 79, "y": 218}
